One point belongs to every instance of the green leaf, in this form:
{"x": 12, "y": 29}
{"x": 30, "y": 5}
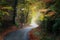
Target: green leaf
{"x": 52, "y": 7}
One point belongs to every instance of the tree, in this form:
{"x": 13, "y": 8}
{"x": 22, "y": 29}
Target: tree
{"x": 15, "y": 10}
{"x": 7, "y": 13}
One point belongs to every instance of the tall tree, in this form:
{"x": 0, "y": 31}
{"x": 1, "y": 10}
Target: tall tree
{"x": 15, "y": 9}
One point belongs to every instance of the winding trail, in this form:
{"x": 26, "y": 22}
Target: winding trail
{"x": 21, "y": 34}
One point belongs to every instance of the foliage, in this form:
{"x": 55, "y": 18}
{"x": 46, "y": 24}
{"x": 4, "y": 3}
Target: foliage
{"x": 6, "y": 10}
{"x": 29, "y": 10}
{"x": 55, "y": 7}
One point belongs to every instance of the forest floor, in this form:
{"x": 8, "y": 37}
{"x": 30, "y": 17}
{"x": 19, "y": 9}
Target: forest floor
{"x": 32, "y": 36}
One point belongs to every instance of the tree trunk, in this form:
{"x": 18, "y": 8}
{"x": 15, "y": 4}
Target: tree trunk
{"x": 14, "y": 11}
